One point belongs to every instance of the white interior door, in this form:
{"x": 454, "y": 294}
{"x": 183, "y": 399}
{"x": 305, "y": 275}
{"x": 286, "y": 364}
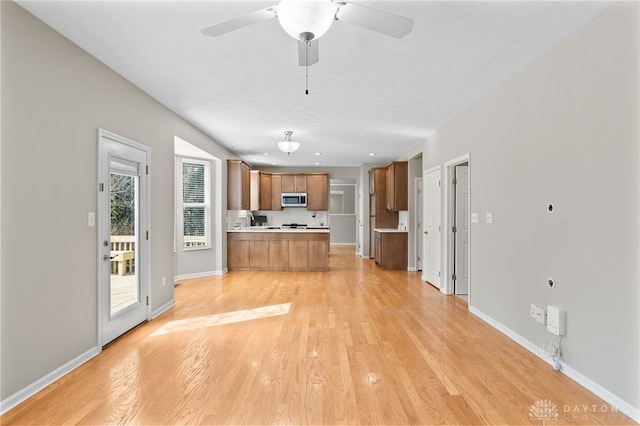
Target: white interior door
{"x": 419, "y": 227}
{"x": 461, "y": 236}
{"x": 123, "y": 248}
{"x": 432, "y": 224}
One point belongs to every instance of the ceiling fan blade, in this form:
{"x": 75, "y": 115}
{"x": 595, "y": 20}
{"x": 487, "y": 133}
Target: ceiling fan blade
{"x": 309, "y": 57}
{"x": 240, "y": 22}
{"x": 374, "y": 19}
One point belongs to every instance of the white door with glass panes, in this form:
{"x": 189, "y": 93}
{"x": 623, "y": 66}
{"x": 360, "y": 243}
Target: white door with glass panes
{"x": 123, "y": 235}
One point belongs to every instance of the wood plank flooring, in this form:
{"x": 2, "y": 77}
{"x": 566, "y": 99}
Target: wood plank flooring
{"x": 358, "y": 345}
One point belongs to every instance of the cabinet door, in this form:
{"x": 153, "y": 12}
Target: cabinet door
{"x": 318, "y": 254}
{"x": 276, "y": 192}
{"x": 259, "y": 254}
{"x": 294, "y": 183}
{"x": 279, "y": 255}
{"x": 265, "y": 191}
{"x": 391, "y": 195}
{"x": 398, "y": 186}
{"x": 299, "y": 255}
{"x": 318, "y": 192}
{"x": 288, "y": 183}
{"x": 378, "y": 251}
{"x": 237, "y": 254}
{"x": 238, "y": 185}
{"x": 246, "y": 186}
{"x": 301, "y": 183}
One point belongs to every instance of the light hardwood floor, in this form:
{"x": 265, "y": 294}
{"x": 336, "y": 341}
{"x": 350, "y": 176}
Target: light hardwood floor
{"x": 358, "y": 345}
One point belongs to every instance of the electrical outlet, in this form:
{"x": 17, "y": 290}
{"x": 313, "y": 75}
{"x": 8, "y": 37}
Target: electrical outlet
{"x": 532, "y": 312}
{"x": 556, "y": 322}
{"x": 541, "y": 315}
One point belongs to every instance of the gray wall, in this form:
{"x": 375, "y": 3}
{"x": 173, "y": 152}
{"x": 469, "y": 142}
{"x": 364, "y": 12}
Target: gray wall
{"x": 54, "y": 98}
{"x": 564, "y": 130}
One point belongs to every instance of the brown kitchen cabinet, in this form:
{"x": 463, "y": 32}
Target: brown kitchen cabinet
{"x": 294, "y": 183}
{"x": 278, "y": 251}
{"x": 265, "y": 191}
{"x": 238, "y": 185}
{"x": 391, "y": 249}
{"x": 397, "y": 190}
{"x": 318, "y": 192}
{"x": 377, "y": 201}
{"x": 276, "y": 192}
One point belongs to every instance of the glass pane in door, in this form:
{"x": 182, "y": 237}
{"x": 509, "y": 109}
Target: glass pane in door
{"x": 124, "y": 278}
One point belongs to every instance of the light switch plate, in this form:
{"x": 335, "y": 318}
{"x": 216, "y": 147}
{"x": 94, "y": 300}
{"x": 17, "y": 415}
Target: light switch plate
{"x": 91, "y": 219}
{"x": 474, "y": 217}
{"x": 489, "y": 218}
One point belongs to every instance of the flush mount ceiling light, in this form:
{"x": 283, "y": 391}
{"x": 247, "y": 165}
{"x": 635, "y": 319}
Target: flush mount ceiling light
{"x": 287, "y": 145}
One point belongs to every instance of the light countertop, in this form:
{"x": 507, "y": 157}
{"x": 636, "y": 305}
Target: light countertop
{"x": 389, "y": 230}
{"x": 272, "y": 229}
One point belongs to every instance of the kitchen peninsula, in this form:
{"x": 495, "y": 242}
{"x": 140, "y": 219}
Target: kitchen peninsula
{"x": 262, "y": 248}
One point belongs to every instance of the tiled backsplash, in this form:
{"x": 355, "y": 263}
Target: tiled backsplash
{"x": 277, "y": 218}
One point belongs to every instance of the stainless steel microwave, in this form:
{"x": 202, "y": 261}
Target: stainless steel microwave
{"x": 294, "y": 199}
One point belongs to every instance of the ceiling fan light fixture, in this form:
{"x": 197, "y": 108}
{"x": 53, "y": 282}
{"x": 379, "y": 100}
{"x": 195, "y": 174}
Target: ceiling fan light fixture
{"x": 287, "y": 145}
{"x": 306, "y": 19}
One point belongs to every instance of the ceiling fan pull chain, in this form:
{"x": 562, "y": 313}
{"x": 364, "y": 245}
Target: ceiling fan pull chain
{"x": 306, "y": 60}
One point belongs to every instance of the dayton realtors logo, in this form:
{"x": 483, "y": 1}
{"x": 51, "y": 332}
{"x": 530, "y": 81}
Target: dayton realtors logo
{"x": 543, "y": 410}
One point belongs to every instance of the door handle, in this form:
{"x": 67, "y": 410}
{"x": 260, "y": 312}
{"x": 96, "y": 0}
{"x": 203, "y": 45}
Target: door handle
{"x": 426, "y": 232}
{"x": 106, "y": 258}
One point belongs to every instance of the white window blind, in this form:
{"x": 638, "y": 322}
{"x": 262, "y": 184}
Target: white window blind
{"x": 195, "y": 203}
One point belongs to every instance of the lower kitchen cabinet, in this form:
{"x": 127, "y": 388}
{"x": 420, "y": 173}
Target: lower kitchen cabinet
{"x": 278, "y": 251}
{"x": 391, "y": 249}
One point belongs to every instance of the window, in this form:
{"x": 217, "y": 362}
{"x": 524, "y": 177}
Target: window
{"x": 196, "y": 207}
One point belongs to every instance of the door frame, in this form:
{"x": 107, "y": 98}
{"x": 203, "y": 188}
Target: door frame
{"x": 419, "y": 209}
{"x": 144, "y": 267}
{"x": 449, "y": 211}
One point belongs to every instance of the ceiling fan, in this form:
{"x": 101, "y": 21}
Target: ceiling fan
{"x": 307, "y": 20}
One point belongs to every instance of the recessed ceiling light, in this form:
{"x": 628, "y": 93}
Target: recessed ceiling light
{"x": 265, "y": 153}
{"x": 274, "y": 163}
{"x": 317, "y": 153}
{"x": 372, "y": 154}
{"x": 317, "y": 163}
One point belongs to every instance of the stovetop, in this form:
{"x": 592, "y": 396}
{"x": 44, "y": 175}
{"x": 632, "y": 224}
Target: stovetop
{"x": 294, "y": 226}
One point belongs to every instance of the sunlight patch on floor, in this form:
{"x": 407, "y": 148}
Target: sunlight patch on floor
{"x": 221, "y": 319}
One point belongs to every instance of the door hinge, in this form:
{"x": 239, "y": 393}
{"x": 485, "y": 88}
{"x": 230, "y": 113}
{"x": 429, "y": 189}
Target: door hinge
{"x": 147, "y": 300}
{"x": 454, "y": 181}
{"x": 147, "y": 235}
{"x": 453, "y": 277}
{"x": 454, "y": 229}
{"x": 101, "y": 187}
{"x": 147, "y": 169}
{"x": 418, "y": 258}
{"x": 438, "y": 273}
{"x": 438, "y": 183}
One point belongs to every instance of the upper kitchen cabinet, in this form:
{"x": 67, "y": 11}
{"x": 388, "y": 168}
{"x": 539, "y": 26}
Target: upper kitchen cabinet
{"x": 260, "y": 190}
{"x": 238, "y": 185}
{"x": 265, "y": 192}
{"x": 317, "y": 191}
{"x": 276, "y": 192}
{"x": 384, "y": 218}
{"x": 294, "y": 183}
{"x": 398, "y": 186}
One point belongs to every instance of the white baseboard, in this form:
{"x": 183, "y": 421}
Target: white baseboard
{"x": 612, "y": 399}
{"x": 412, "y": 269}
{"x": 22, "y": 395}
{"x": 162, "y": 309}
{"x": 200, "y": 275}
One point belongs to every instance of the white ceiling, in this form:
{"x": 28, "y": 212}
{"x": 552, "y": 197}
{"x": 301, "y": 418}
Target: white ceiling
{"x": 368, "y": 93}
